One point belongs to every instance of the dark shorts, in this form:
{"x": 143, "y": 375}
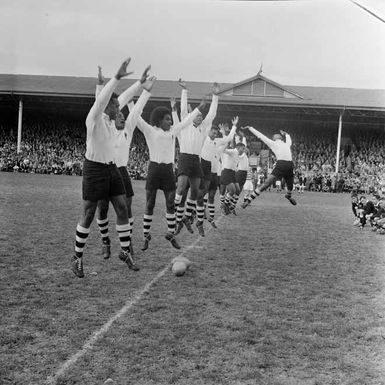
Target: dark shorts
{"x": 101, "y": 181}
{"x": 227, "y": 176}
{"x": 206, "y": 169}
{"x": 189, "y": 165}
{"x": 240, "y": 177}
{"x": 283, "y": 169}
{"x": 126, "y": 181}
{"x": 160, "y": 176}
{"x": 215, "y": 181}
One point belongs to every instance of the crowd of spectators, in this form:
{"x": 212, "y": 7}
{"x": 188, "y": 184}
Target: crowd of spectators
{"x": 56, "y": 146}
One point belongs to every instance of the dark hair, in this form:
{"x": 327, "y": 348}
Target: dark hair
{"x": 158, "y": 114}
{"x": 214, "y": 127}
{"x": 113, "y": 96}
{"x": 240, "y": 144}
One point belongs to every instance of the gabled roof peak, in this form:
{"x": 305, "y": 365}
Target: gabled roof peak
{"x": 260, "y": 86}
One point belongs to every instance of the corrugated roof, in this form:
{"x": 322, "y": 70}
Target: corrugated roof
{"x": 164, "y": 89}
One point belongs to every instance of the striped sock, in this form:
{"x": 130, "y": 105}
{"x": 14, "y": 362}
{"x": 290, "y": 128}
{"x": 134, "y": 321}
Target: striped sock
{"x": 200, "y": 213}
{"x": 205, "y": 200}
{"x": 178, "y": 199}
{"x": 228, "y": 200}
{"x": 211, "y": 208}
{"x": 234, "y": 199}
{"x": 190, "y": 207}
{"x": 179, "y": 213}
{"x": 124, "y": 236}
{"x": 147, "y": 220}
{"x": 103, "y": 228}
{"x": 222, "y": 199}
{"x": 81, "y": 239}
{"x": 131, "y": 223}
{"x": 171, "y": 222}
{"x": 254, "y": 194}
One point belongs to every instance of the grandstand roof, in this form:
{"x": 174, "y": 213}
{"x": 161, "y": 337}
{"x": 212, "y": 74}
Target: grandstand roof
{"x": 325, "y": 97}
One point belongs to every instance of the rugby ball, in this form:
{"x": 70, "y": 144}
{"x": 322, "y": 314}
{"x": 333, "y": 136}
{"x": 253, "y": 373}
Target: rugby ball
{"x": 186, "y": 261}
{"x": 179, "y": 268}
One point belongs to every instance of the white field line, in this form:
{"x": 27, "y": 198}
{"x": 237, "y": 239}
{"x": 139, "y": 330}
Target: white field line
{"x": 89, "y": 344}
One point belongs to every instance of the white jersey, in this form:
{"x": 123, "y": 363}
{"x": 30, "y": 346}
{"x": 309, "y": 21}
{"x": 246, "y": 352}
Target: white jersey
{"x": 230, "y": 159}
{"x": 280, "y": 148}
{"x": 243, "y": 162}
{"x": 101, "y": 131}
{"x": 191, "y": 139}
{"x": 161, "y": 144}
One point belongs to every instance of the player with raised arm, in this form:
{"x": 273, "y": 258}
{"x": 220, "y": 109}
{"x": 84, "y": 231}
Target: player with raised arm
{"x": 101, "y": 177}
{"x": 125, "y": 129}
{"x": 283, "y": 168}
{"x": 190, "y": 142}
{"x": 160, "y": 137}
{"x": 210, "y": 149}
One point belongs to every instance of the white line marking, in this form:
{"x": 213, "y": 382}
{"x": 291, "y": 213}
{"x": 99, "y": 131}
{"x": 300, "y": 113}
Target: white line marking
{"x": 52, "y": 380}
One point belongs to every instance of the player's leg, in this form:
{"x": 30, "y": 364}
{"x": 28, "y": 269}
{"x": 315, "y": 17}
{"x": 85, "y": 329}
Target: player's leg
{"x": 182, "y": 184}
{"x": 180, "y": 212}
{"x": 289, "y": 179}
{"x": 192, "y": 198}
{"x": 82, "y": 231}
{"x": 170, "y": 217}
{"x": 270, "y": 180}
{"x": 147, "y": 217}
{"x": 102, "y": 220}
{"x": 123, "y": 229}
{"x": 204, "y": 187}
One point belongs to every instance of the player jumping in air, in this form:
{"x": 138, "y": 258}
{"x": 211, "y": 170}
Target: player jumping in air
{"x": 283, "y": 168}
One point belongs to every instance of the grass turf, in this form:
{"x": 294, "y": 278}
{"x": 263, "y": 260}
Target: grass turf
{"x": 277, "y": 295}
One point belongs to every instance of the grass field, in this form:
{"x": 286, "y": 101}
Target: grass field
{"x": 278, "y": 295}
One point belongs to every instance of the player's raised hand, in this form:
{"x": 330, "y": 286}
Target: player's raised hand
{"x": 122, "y": 71}
{"x": 202, "y": 104}
{"x": 234, "y": 120}
{"x": 216, "y": 88}
{"x": 173, "y": 103}
{"x": 145, "y": 74}
{"x": 182, "y": 83}
{"x": 100, "y": 76}
{"x": 149, "y": 83}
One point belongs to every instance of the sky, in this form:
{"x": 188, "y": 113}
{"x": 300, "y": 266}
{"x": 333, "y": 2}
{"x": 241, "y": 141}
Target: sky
{"x": 300, "y": 42}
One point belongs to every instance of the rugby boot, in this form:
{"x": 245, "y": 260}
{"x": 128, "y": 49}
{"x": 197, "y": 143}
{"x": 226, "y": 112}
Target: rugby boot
{"x": 106, "y": 250}
{"x": 291, "y": 199}
{"x": 77, "y": 266}
{"x": 187, "y": 223}
{"x": 146, "y": 242}
{"x": 125, "y": 256}
{"x": 171, "y": 238}
{"x": 200, "y": 228}
{"x": 246, "y": 203}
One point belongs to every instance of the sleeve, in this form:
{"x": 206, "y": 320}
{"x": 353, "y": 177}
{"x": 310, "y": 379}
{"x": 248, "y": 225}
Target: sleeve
{"x": 137, "y": 110}
{"x": 140, "y": 123}
{"x": 102, "y": 100}
{"x": 175, "y": 117}
{"x": 288, "y": 140}
{"x": 99, "y": 87}
{"x": 230, "y": 151}
{"x": 264, "y": 138}
{"x": 228, "y": 138}
{"x": 183, "y": 104}
{"x": 128, "y": 94}
{"x": 208, "y": 120}
{"x": 177, "y": 128}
